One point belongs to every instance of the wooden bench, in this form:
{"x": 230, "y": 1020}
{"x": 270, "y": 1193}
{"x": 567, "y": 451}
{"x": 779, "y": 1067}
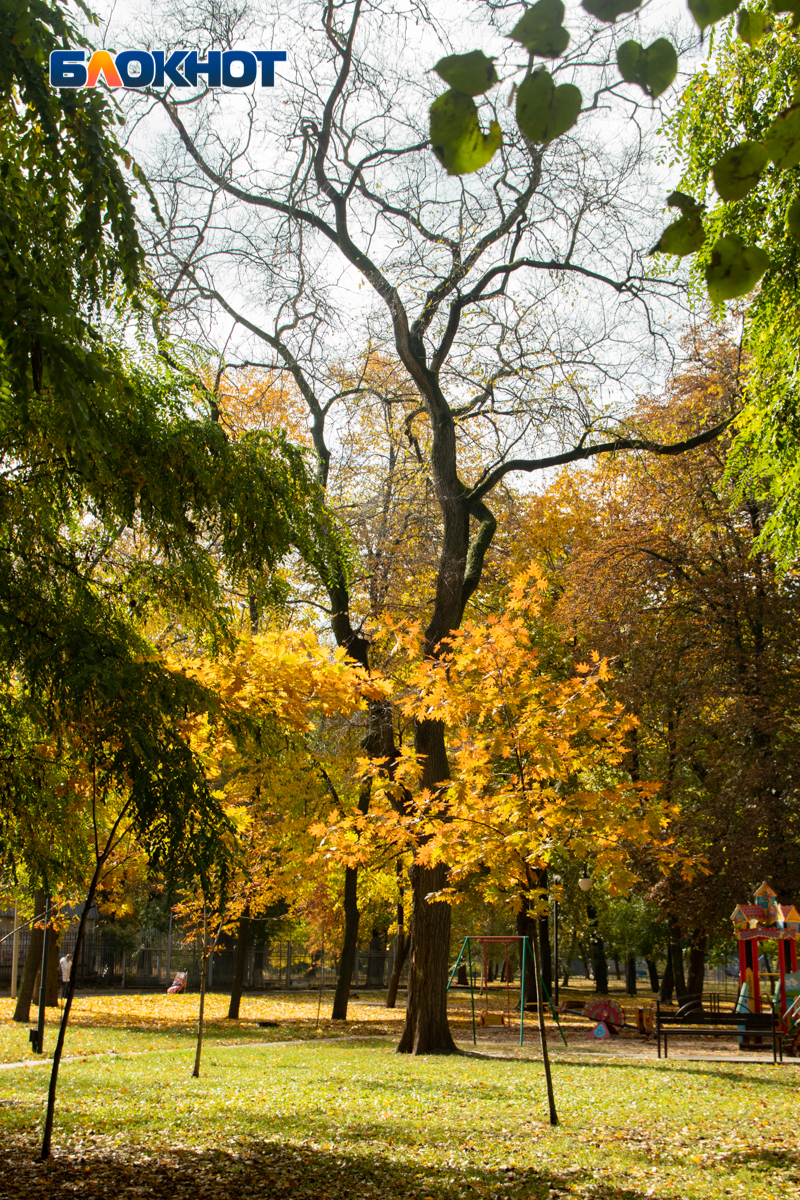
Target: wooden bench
{"x": 692, "y": 1021}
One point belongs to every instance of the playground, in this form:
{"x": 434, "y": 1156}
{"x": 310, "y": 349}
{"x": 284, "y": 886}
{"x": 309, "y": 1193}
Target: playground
{"x": 333, "y": 1112}
{"x": 291, "y": 1103}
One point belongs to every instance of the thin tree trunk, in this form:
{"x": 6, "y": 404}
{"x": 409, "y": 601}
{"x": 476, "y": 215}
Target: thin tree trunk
{"x": 697, "y": 964}
{"x": 568, "y": 963}
{"x": 598, "y": 950}
{"x": 348, "y": 957}
{"x": 399, "y": 961}
{"x": 585, "y": 960}
{"x": 630, "y": 975}
{"x": 239, "y": 965}
{"x": 676, "y": 956}
{"x": 653, "y": 971}
{"x": 545, "y": 952}
{"x": 33, "y": 962}
{"x": 617, "y": 971}
{"x": 401, "y": 950}
{"x": 201, "y": 1014}
{"x": 551, "y": 1100}
{"x": 403, "y": 941}
{"x": 73, "y": 978}
{"x": 667, "y": 981}
{"x": 525, "y": 928}
{"x": 53, "y": 972}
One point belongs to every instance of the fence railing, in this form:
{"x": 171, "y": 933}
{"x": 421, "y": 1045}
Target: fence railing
{"x": 155, "y": 956}
{"x": 151, "y": 959}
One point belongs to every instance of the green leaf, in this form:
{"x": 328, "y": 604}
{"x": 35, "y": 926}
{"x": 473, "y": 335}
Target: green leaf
{"x": 653, "y": 69}
{"x": 687, "y": 204}
{"x": 753, "y": 27}
{"x": 684, "y": 236}
{"x": 793, "y": 220}
{"x": 739, "y": 169}
{"x": 473, "y": 73}
{"x": 545, "y": 111}
{"x": 540, "y": 29}
{"x": 609, "y": 10}
{"x": 782, "y": 139}
{"x": 707, "y": 12}
{"x": 456, "y": 136}
{"x": 734, "y": 269}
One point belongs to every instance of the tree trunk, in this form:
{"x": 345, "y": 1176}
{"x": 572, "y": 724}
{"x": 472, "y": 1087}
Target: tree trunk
{"x": 462, "y": 979}
{"x": 348, "y": 957}
{"x": 73, "y": 978}
{"x": 401, "y": 950}
{"x": 676, "y": 956}
{"x": 427, "y": 1030}
{"x": 617, "y": 971}
{"x": 630, "y": 975}
{"x": 568, "y": 962}
{"x": 697, "y": 964}
{"x": 598, "y": 953}
{"x": 33, "y": 963}
{"x": 653, "y": 970}
{"x": 525, "y": 928}
{"x": 201, "y": 1015}
{"x": 47, "y": 1134}
{"x": 551, "y": 1100}
{"x": 53, "y": 972}
{"x": 667, "y": 981}
{"x": 239, "y": 965}
{"x": 400, "y": 956}
{"x": 545, "y": 953}
{"x": 585, "y": 960}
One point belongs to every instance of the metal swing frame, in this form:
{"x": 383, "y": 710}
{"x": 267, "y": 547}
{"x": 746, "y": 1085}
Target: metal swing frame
{"x": 525, "y": 949}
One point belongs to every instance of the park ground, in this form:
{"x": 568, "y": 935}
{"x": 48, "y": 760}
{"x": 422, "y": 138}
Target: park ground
{"x": 304, "y": 1109}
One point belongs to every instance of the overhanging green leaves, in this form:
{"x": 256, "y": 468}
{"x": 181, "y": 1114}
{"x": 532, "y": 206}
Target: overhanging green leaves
{"x": 653, "y": 68}
{"x": 545, "y": 111}
{"x": 457, "y": 139}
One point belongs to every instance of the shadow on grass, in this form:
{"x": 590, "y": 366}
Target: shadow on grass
{"x": 784, "y": 1079}
{"x": 263, "y": 1170}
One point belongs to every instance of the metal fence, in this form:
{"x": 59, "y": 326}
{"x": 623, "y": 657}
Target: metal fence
{"x": 150, "y": 960}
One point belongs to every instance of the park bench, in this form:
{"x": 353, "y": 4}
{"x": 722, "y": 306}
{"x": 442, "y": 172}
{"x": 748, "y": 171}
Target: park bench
{"x": 693, "y": 1021}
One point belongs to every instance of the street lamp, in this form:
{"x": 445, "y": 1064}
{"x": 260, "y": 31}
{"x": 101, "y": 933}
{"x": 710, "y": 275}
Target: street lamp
{"x": 584, "y": 883}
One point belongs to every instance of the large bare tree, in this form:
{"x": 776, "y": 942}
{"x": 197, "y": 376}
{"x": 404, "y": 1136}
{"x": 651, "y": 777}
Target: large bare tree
{"x": 310, "y": 225}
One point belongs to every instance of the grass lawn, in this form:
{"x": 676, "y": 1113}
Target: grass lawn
{"x": 334, "y": 1120}
{"x": 129, "y": 1022}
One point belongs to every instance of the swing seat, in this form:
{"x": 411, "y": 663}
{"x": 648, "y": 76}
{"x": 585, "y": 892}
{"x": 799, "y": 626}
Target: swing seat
{"x": 488, "y": 1018}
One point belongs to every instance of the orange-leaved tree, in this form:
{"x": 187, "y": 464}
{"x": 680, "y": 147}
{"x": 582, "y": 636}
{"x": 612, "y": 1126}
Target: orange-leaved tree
{"x": 536, "y": 764}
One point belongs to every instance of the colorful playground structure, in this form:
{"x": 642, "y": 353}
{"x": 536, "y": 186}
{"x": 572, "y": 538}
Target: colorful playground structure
{"x": 767, "y": 920}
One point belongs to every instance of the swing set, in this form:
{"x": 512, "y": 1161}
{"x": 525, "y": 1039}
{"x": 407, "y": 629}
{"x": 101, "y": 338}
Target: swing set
{"x": 524, "y": 950}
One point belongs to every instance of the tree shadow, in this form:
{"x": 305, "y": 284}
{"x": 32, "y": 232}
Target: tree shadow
{"x": 258, "y": 1169}
{"x": 697, "y": 1068}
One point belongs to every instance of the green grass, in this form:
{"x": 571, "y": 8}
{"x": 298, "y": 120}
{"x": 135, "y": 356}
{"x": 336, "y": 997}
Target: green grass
{"x": 334, "y": 1120}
